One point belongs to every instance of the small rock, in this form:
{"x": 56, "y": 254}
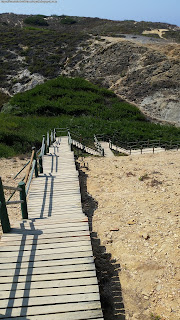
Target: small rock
{"x": 145, "y": 235}
{"x": 131, "y": 222}
{"x": 114, "y": 229}
{"x": 159, "y": 286}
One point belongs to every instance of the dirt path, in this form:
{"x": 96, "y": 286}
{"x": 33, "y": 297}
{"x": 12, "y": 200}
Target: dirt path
{"x": 159, "y": 32}
{"x": 136, "y": 218}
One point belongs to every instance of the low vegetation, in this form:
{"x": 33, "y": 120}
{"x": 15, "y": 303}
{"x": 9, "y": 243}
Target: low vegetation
{"x": 67, "y": 20}
{"x": 77, "y": 104}
{"x": 36, "y": 20}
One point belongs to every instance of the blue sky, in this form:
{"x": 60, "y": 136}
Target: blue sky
{"x": 147, "y": 10}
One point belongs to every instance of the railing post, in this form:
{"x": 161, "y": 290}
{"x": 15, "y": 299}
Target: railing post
{"x": 52, "y": 137}
{"x": 54, "y": 134}
{"x": 40, "y": 164}
{"x": 48, "y": 142}
{"x": 36, "y": 168}
{"x": 44, "y": 140}
{"x": 3, "y": 211}
{"x": 24, "y": 210}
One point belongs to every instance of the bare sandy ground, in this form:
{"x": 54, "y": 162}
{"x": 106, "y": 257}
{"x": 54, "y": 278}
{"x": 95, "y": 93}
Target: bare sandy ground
{"x": 8, "y": 169}
{"x": 137, "y": 220}
{"x": 159, "y": 32}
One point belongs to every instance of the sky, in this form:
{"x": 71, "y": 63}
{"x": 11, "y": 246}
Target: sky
{"x": 138, "y": 10}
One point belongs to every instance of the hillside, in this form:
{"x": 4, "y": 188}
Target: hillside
{"x": 79, "y": 105}
{"x": 137, "y": 60}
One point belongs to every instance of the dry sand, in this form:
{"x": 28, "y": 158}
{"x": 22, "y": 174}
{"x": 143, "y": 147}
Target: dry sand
{"x": 135, "y": 204}
{"x": 8, "y": 169}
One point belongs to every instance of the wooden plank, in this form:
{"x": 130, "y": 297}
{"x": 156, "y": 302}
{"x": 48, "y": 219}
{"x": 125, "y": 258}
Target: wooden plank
{"x": 50, "y": 292}
{"x": 53, "y": 300}
{"x": 51, "y": 220}
{"x": 20, "y": 241}
{"x": 42, "y": 236}
{"x": 20, "y": 232}
{"x": 38, "y": 264}
{"x": 47, "y": 246}
{"x": 37, "y": 310}
{"x": 56, "y": 224}
{"x": 47, "y": 270}
{"x": 48, "y": 256}
{"x": 52, "y": 276}
{"x": 76, "y": 315}
{"x": 44, "y": 251}
{"x": 44, "y": 241}
{"x": 72, "y": 210}
{"x": 46, "y": 284}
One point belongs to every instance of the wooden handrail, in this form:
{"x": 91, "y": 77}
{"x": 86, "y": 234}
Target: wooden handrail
{"x": 29, "y": 167}
{"x": 11, "y": 188}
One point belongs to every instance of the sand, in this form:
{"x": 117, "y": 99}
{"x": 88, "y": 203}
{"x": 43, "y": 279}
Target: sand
{"x": 135, "y": 207}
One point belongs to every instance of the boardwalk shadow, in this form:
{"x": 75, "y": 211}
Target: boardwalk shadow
{"x": 107, "y": 268}
{"x": 18, "y": 266}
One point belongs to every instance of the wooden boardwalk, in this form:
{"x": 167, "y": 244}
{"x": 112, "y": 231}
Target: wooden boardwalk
{"x": 47, "y": 268}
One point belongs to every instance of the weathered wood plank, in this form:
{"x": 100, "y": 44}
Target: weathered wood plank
{"x": 76, "y": 315}
{"x": 28, "y": 236}
{"x": 53, "y": 276}
{"x": 51, "y": 220}
{"x": 47, "y": 300}
{"x": 47, "y": 270}
{"x": 48, "y": 240}
{"x": 45, "y": 257}
{"x": 56, "y": 225}
{"x": 45, "y": 251}
{"x": 50, "y": 292}
{"x": 46, "y": 284}
{"x": 46, "y": 263}
{"x": 37, "y": 310}
{"x": 35, "y": 245}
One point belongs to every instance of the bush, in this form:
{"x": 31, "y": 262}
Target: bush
{"x": 36, "y": 20}
{"x": 67, "y": 20}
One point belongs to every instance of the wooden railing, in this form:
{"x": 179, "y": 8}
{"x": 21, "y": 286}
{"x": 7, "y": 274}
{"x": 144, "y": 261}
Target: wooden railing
{"x": 98, "y": 145}
{"x": 129, "y": 146}
{"x": 33, "y": 167}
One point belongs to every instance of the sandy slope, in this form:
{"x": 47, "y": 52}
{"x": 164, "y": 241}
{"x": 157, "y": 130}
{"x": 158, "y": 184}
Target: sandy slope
{"x": 8, "y": 169}
{"x": 137, "y": 220}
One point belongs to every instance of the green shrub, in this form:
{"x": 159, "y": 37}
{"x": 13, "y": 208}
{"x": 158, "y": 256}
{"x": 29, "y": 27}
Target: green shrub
{"x": 6, "y": 151}
{"x": 36, "y": 20}
{"x": 67, "y": 20}
{"x": 79, "y": 105}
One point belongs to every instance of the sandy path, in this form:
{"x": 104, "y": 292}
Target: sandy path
{"x": 159, "y": 32}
